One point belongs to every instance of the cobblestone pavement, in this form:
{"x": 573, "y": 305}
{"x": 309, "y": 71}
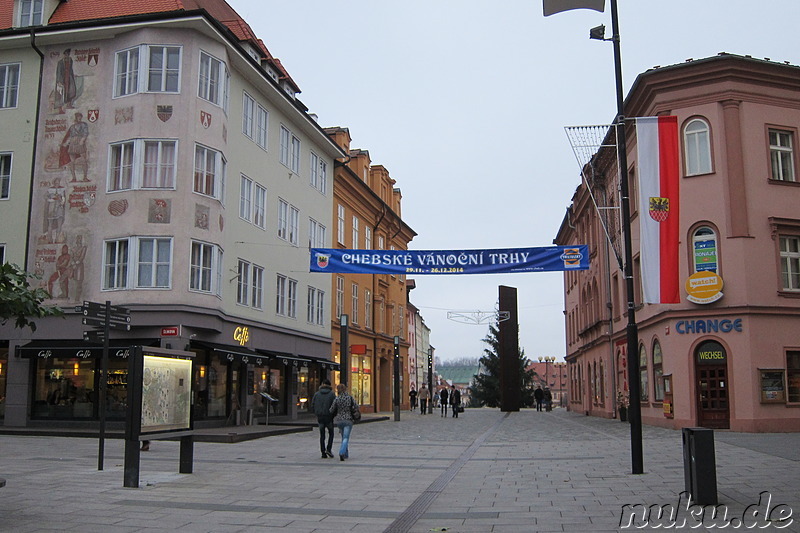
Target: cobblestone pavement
{"x": 486, "y": 471}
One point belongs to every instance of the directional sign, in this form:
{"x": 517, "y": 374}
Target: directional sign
{"x": 101, "y": 323}
{"x": 93, "y": 336}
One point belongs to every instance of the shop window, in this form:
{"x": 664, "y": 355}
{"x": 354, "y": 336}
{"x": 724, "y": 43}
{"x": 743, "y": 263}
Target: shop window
{"x": 69, "y": 389}
{"x": 793, "y": 376}
{"x": 643, "y": 389}
{"x": 361, "y": 383}
{"x": 601, "y": 387}
{"x": 658, "y": 373}
{"x": 705, "y": 254}
{"x": 697, "y": 147}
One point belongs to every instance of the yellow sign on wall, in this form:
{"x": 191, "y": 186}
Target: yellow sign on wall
{"x": 704, "y": 287}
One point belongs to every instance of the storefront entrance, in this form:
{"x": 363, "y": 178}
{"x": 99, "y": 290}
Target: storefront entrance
{"x": 711, "y": 371}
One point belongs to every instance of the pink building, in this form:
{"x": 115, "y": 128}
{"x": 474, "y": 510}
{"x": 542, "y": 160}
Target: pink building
{"x": 726, "y": 356}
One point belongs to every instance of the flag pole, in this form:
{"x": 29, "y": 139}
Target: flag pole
{"x": 632, "y": 329}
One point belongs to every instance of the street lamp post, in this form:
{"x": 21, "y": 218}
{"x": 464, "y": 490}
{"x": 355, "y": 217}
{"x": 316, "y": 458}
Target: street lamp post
{"x": 344, "y": 364}
{"x": 396, "y": 378}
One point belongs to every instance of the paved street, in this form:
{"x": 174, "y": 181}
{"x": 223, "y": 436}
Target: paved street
{"x": 486, "y": 471}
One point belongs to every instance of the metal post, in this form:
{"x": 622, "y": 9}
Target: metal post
{"x": 396, "y": 379}
{"x": 104, "y": 387}
{"x": 430, "y": 380}
{"x": 632, "y": 330}
{"x": 344, "y": 349}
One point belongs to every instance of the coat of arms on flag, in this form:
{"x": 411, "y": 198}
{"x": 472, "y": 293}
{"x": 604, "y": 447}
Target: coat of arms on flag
{"x": 322, "y": 260}
{"x": 659, "y": 208}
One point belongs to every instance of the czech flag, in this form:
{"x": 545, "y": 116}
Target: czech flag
{"x": 659, "y": 208}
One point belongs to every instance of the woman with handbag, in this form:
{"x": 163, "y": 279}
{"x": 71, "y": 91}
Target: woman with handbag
{"x": 345, "y": 411}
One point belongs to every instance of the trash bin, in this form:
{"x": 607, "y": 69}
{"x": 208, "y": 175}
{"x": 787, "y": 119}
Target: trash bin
{"x": 700, "y": 465}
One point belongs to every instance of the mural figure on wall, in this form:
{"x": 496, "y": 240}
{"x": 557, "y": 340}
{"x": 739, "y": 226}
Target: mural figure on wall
{"x": 62, "y": 274}
{"x": 72, "y": 152}
{"x": 55, "y": 202}
{"x": 66, "y": 90}
{"x": 76, "y": 266}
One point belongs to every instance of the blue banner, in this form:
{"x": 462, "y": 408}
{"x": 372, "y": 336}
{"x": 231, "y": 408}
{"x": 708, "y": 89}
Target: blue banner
{"x": 411, "y": 262}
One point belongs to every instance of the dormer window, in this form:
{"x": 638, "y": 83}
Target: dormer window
{"x": 30, "y": 13}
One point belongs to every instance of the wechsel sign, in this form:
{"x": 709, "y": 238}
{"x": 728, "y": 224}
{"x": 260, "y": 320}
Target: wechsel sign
{"x": 500, "y": 261}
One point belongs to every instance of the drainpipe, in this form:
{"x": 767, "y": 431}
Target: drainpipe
{"x": 34, "y": 145}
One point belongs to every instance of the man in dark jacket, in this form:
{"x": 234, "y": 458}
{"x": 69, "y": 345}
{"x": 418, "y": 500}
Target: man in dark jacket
{"x": 443, "y": 400}
{"x": 455, "y": 400}
{"x": 321, "y": 405}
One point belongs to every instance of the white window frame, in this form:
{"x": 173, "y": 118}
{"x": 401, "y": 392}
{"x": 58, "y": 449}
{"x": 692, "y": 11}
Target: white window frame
{"x": 291, "y": 298}
{"x": 205, "y": 268}
{"x": 367, "y": 308}
{"x": 131, "y": 157}
{"x": 116, "y": 254}
{"x": 355, "y": 232}
{"x": 135, "y": 67}
{"x": 248, "y": 115}
{"x": 781, "y": 155}
{"x": 213, "y": 80}
{"x": 30, "y": 13}
{"x": 9, "y": 85}
{"x": 262, "y": 126}
{"x": 340, "y": 224}
{"x": 316, "y": 306}
{"x": 243, "y": 282}
{"x": 283, "y": 219}
{"x": 354, "y": 303}
{"x": 246, "y": 198}
{"x": 156, "y": 263}
{"x": 367, "y": 238}
{"x": 167, "y": 71}
{"x": 6, "y": 160}
{"x": 250, "y": 284}
{"x": 339, "y": 296}
{"x": 697, "y": 147}
{"x": 209, "y": 182}
{"x": 260, "y": 206}
{"x": 316, "y": 234}
{"x": 318, "y": 171}
{"x": 123, "y": 263}
{"x": 290, "y": 150}
{"x": 280, "y": 295}
{"x": 294, "y": 225}
{"x": 790, "y": 262}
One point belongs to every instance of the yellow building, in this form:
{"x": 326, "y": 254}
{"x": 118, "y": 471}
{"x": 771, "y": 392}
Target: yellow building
{"x": 367, "y": 215}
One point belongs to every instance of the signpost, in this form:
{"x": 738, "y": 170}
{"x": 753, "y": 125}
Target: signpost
{"x": 107, "y": 317}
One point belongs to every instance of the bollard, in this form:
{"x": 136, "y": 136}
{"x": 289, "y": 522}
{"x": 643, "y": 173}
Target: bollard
{"x": 700, "y": 465}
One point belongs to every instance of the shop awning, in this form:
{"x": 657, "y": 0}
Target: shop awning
{"x": 287, "y": 358}
{"x": 230, "y": 354}
{"x": 322, "y": 362}
{"x": 78, "y": 349}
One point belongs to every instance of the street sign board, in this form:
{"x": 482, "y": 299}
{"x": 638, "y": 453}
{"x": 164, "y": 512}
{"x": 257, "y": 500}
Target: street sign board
{"x": 93, "y": 336}
{"x": 101, "y": 323}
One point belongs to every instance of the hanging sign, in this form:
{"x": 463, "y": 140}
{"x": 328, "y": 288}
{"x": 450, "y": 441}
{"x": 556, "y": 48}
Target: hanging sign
{"x": 499, "y": 261}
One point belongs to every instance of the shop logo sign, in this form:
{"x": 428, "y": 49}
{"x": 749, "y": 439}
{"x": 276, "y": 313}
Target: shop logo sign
{"x": 44, "y": 354}
{"x": 241, "y": 335}
{"x": 83, "y": 354}
{"x": 123, "y": 353}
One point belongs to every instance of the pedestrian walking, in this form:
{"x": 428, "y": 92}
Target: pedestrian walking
{"x": 548, "y": 399}
{"x": 424, "y": 396}
{"x": 412, "y": 398}
{"x": 435, "y": 401}
{"x": 455, "y": 400}
{"x": 321, "y": 404}
{"x": 443, "y": 399}
{"x": 538, "y": 395}
{"x": 345, "y": 410}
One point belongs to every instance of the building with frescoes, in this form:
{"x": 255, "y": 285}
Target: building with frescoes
{"x": 157, "y": 157}
{"x": 727, "y": 355}
{"x": 367, "y": 216}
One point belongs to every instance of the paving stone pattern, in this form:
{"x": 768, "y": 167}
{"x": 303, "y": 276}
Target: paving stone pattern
{"x": 486, "y": 471}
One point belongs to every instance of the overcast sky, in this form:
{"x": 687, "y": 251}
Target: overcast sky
{"x": 465, "y": 103}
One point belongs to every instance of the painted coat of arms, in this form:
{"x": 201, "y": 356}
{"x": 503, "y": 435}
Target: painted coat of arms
{"x": 659, "y": 208}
